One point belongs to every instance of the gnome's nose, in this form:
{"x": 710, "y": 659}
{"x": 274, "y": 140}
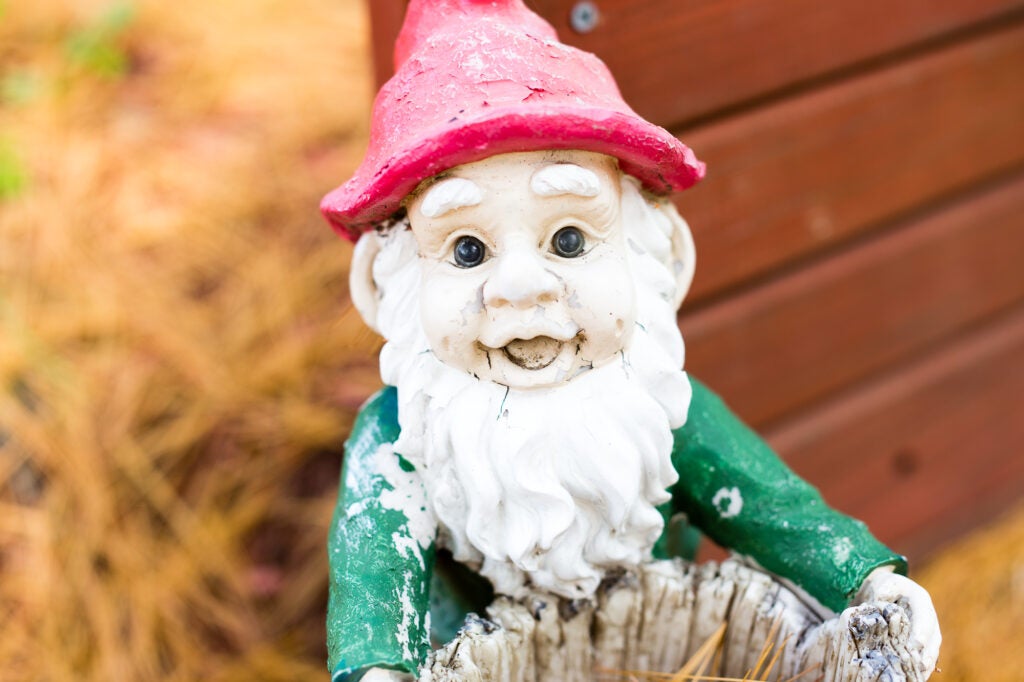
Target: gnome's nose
{"x": 520, "y": 281}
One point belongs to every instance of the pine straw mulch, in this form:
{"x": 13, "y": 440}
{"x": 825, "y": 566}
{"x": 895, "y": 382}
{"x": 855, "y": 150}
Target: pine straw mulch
{"x": 978, "y": 588}
{"x": 178, "y": 364}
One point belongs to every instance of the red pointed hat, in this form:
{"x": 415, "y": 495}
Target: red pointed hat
{"x": 477, "y": 78}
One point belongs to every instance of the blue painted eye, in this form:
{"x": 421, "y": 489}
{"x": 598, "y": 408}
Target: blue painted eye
{"x": 469, "y": 252}
{"x": 568, "y": 242}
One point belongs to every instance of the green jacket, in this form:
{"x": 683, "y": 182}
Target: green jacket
{"x": 384, "y": 584}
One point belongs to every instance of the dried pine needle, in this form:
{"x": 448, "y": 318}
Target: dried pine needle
{"x": 707, "y": 658}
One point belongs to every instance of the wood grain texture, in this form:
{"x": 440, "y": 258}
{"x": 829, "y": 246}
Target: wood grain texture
{"x": 789, "y": 180}
{"x": 793, "y": 341}
{"x": 677, "y": 60}
{"x": 928, "y": 452}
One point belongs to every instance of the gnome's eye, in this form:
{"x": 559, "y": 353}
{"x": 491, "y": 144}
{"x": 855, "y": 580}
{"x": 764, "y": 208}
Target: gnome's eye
{"x": 469, "y": 252}
{"x": 568, "y": 242}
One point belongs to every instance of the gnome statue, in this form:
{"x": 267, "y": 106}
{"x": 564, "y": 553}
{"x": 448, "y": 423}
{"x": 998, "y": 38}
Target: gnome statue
{"x": 521, "y": 500}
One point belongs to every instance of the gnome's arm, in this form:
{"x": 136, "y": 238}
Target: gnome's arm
{"x": 381, "y": 552}
{"x": 736, "y": 490}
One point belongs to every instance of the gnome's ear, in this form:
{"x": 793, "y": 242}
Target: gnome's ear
{"x": 684, "y": 254}
{"x": 362, "y": 288}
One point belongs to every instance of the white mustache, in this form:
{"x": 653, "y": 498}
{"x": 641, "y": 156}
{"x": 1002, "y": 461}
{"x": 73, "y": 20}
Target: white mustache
{"x": 499, "y": 334}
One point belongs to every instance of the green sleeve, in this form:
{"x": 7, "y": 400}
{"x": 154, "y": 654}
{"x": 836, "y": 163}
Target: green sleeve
{"x": 739, "y": 493}
{"x": 381, "y": 552}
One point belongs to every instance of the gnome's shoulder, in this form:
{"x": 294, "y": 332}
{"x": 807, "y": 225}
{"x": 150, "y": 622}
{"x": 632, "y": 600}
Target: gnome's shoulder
{"x": 376, "y": 424}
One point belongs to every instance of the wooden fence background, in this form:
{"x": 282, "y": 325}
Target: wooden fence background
{"x": 859, "y": 296}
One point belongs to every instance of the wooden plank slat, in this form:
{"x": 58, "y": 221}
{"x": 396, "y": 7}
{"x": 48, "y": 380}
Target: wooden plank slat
{"x": 791, "y": 179}
{"x": 930, "y": 451}
{"x": 784, "y": 345}
{"x": 385, "y": 22}
{"x": 676, "y": 60}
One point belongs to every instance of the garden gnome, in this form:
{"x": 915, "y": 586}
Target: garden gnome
{"x": 516, "y": 250}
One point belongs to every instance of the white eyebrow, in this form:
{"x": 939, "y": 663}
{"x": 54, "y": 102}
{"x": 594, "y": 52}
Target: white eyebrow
{"x": 448, "y": 195}
{"x": 565, "y": 178}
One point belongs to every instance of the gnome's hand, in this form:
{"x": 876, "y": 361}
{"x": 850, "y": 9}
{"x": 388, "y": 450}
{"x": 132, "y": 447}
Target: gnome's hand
{"x": 882, "y": 585}
{"x": 385, "y": 675}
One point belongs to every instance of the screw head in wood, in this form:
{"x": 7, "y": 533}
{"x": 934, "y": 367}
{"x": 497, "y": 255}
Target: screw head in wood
{"x": 583, "y": 17}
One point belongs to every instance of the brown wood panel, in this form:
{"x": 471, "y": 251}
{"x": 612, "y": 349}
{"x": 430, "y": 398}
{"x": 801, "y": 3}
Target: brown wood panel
{"x": 790, "y": 179}
{"x": 385, "y": 22}
{"x": 930, "y": 451}
{"x": 793, "y": 341}
{"x": 676, "y": 60}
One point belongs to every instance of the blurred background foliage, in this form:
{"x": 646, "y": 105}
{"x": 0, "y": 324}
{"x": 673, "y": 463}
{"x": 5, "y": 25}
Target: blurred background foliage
{"x": 179, "y": 364}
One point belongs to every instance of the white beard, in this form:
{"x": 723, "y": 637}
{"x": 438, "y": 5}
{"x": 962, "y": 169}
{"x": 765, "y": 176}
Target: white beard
{"x": 550, "y": 487}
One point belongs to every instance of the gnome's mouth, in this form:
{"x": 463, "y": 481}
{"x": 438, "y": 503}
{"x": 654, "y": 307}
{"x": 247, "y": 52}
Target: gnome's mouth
{"x": 535, "y": 353}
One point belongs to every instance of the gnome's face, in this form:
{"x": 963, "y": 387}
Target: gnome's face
{"x": 525, "y": 280}
{"x": 528, "y": 304}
